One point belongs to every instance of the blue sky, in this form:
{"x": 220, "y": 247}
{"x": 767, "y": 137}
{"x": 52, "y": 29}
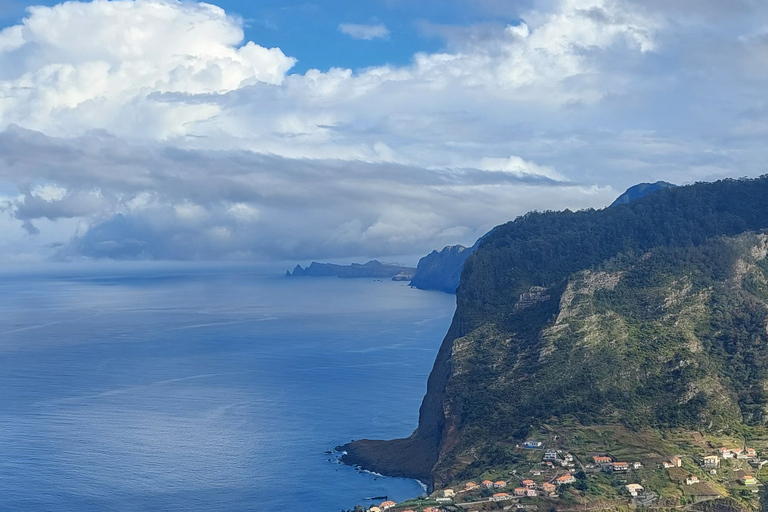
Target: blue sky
{"x": 310, "y": 32}
{"x": 162, "y": 129}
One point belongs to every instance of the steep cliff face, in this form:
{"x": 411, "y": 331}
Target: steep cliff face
{"x": 650, "y": 314}
{"x": 442, "y": 270}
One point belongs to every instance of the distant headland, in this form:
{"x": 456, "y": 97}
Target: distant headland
{"x": 373, "y": 268}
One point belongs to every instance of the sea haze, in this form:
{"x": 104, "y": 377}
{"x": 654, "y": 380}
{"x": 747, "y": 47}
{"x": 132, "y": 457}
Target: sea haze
{"x": 206, "y": 388}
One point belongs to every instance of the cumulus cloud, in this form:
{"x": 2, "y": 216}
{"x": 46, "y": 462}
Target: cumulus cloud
{"x": 55, "y": 80}
{"x": 164, "y": 134}
{"x": 364, "y": 32}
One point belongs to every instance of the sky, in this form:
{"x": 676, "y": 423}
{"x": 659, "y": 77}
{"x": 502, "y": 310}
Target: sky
{"x": 347, "y": 129}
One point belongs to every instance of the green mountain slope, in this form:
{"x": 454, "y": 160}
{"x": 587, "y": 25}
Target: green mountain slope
{"x": 651, "y": 314}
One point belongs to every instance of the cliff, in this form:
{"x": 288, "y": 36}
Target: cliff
{"x": 442, "y": 270}
{"x": 651, "y": 314}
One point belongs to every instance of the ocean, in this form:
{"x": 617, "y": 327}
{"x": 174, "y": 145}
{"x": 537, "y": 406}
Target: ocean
{"x": 205, "y": 388}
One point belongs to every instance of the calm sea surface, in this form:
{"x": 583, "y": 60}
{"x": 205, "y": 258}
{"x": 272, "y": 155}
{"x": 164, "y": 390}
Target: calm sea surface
{"x": 205, "y": 389}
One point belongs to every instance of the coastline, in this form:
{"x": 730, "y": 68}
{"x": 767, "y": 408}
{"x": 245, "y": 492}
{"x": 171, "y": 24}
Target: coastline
{"x": 398, "y": 458}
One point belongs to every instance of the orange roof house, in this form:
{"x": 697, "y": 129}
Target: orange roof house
{"x": 499, "y": 484}
{"x": 565, "y": 479}
{"x": 385, "y": 505}
{"x": 486, "y": 484}
{"x": 548, "y": 487}
{"x": 471, "y": 486}
{"x": 529, "y": 484}
{"x": 599, "y": 459}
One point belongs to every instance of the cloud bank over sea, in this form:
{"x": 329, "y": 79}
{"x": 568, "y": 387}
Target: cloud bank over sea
{"x": 153, "y": 129}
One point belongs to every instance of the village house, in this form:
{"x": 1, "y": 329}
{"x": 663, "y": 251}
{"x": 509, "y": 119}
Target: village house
{"x": 726, "y": 453}
{"x": 386, "y": 505}
{"x": 448, "y": 493}
{"x": 620, "y": 466}
{"x": 431, "y": 509}
{"x": 501, "y": 496}
{"x": 600, "y": 459}
{"x": 500, "y": 484}
{"x": 550, "y": 455}
{"x": 548, "y": 487}
{"x": 748, "y": 480}
{"x": 471, "y": 486}
{"x": 529, "y": 484}
{"x": 565, "y": 479}
{"x": 374, "y": 509}
{"x": 691, "y": 479}
{"x": 634, "y": 489}
{"x": 637, "y": 465}
{"x": 486, "y": 484}
{"x": 520, "y": 491}
{"x": 531, "y": 493}
{"x": 533, "y": 444}
{"x": 711, "y": 461}
{"x": 674, "y": 462}
{"x": 750, "y": 452}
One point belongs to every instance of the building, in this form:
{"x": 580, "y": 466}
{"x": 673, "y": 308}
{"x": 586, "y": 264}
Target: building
{"x": 531, "y": 493}
{"x": 500, "y": 484}
{"x": 386, "y": 505}
{"x": 711, "y": 461}
{"x": 750, "y": 452}
{"x": 634, "y": 489}
{"x": 374, "y": 509}
{"x": 637, "y": 465}
{"x": 486, "y": 484}
{"x": 471, "y": 486}
{"x": 565, "y": 479}
{"x": 548, "y": 487}
{"x": 501, "y": 496}
{"x": 550, "y": 455}
{"x": 520, "y": 491}
{"x": 674, "y": 462}
{"x": 748, "y": 480}
{"x": 600, "y": 459}
{"x": 448, "y": 493}
{"x": 533, "y": 444}
{"x": 620, "y": 466}
{"x": 529, "y": 484}
{"x": 691, "y": 479}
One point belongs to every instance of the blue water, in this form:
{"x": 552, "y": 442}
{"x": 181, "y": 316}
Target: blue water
{"x": 205, "y": 388}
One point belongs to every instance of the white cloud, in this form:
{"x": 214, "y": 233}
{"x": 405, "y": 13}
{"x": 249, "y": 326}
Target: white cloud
{"x": 365, "y": 32}
{"x": 165, "y": 134}
{"x": 57, "y": 81}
